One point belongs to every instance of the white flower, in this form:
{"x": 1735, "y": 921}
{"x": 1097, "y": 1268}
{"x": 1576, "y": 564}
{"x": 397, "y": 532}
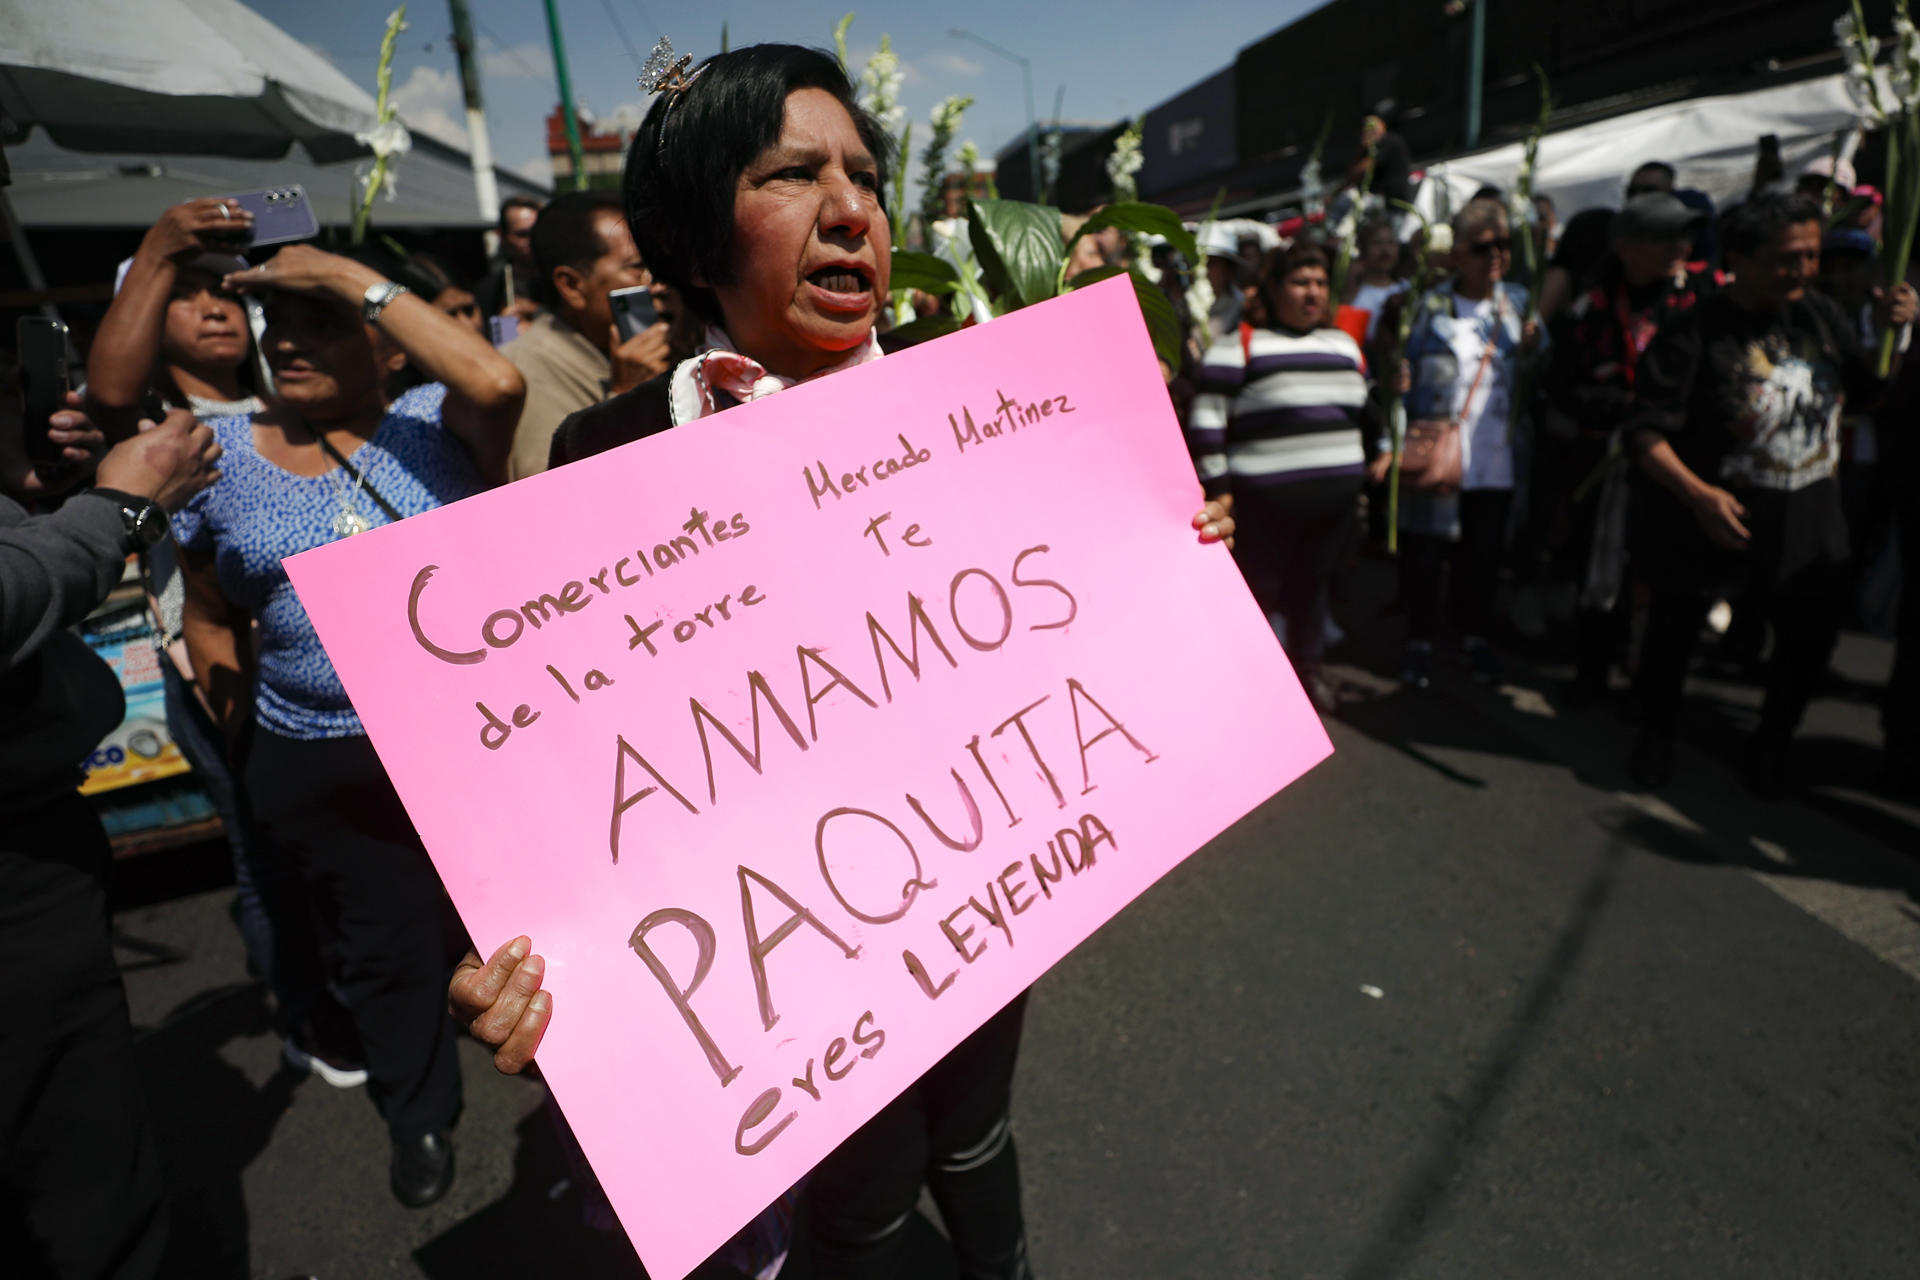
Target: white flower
{"x": 880, "y": 87}
{"x": 948, "y": 111}
{"x": 1050, "y": 157}
{"x": 1860, "y": 91}
{"x": 1348, "y": 228}
{"x": 1124, "y": 162}
{"x": 969, "y": 157}
{"x": 1440, "y": 238}
{"x": 386, "y": 139}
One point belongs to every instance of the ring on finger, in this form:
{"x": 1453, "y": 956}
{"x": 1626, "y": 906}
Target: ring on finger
{"x": 226, "y": 212}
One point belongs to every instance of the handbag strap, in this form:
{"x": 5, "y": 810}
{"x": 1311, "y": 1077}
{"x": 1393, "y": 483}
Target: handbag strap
{"x": 358, "y": 479}
{"x": 1486, "y": 358}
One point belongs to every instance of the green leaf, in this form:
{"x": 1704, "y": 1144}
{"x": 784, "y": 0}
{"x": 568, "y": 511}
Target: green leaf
{"x": 1163, "y": 323}
{"x": 924, "y": 272}
{"x": 1148, "y": 220}
{"x": 1095, "y": 275}
{"x": 1020, "y": 250}
{"x": 925, "y": 328}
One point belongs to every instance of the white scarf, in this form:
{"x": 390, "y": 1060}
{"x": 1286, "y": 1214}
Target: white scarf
{"x": 719, "y": 367}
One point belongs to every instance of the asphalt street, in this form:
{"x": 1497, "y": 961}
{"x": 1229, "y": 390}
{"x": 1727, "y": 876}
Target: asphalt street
{"x": 1460, "y": 1003}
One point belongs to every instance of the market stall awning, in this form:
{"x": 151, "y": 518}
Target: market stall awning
{"x": 57, "y": 187}
{"x": 1710, "y": 141}
{"x": 173, "y": 77}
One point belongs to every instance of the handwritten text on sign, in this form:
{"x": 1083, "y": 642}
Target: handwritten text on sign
{"x": 801, "y": 738}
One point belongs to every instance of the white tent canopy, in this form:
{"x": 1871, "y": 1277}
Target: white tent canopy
{"x": 173, "y": 76}
{"x": 1710, "y": 142}
{"x": 54, "y": 187}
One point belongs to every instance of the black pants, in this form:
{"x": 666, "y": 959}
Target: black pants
{"x": 328, "y": 805}
{"x": 947, "y": 1132}
{"x": 1474, "y": 561}
{"x": 1287, "y": 549}
{"x": 80, "y": 1186}
{"x": 1805, "y": 628}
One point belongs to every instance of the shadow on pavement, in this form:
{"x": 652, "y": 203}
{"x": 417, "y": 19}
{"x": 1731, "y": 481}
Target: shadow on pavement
{"x": 537, "y": 1227}
{"x": 1423, "y": 1195}
{"x": 210, "y": 1124}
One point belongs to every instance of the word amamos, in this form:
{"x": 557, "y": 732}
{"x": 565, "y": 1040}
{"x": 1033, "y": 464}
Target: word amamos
{"x": 981, "y": 612}
{"x": 504, "y": 626}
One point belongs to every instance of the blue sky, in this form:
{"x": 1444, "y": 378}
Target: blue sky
{"x": 1114, "y": 59}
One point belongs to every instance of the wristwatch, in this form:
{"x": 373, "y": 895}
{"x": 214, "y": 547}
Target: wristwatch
{"x": 377, "y": 297}
{"x": 144, "y": 520}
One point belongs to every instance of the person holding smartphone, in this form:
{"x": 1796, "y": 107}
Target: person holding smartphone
{"x": 576, "y": 355}
{"x": 176, "y": 336}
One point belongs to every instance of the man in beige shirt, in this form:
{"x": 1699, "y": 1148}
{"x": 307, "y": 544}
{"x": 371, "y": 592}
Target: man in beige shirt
{"x": 573, "y": 356}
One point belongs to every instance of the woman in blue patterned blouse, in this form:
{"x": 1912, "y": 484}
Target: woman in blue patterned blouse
{"x": 331, "y": 457}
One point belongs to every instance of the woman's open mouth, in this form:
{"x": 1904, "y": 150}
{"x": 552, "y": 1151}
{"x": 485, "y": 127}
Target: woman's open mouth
{"x": 841, "y": 286}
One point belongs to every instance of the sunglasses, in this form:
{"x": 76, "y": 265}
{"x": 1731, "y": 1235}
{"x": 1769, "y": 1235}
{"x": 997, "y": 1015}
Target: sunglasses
{"x": 1485, "y": 247}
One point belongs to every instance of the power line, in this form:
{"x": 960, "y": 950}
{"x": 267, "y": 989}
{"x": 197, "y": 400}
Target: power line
{"x": 502, "y": 46}
{"x": 621, "y": 30}
{"x": 655, "y": 27}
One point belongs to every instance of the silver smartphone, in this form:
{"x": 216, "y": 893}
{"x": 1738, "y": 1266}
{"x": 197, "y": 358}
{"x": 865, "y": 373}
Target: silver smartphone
{"x": 280, "y": 215}
{"x": 633, "y": 311}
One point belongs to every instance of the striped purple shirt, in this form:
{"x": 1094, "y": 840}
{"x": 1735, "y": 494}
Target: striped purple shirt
{"x": 1292, "y": 413}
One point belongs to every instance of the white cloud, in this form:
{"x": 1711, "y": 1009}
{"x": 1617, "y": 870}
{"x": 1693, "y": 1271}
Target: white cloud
{"x": 536, "y": 169}
{"x": 952, "y": 64}
{"x": 429, "y": 101}
{"x": 528, "y": 61}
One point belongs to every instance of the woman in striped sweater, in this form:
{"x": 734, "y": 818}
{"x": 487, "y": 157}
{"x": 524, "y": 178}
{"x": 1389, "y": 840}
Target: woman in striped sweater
{"x": 1279, "y": 424}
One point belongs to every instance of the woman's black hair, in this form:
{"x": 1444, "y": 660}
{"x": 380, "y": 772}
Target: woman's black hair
{"x": 1751, "y": 227}
{"x": 687, "y": 157}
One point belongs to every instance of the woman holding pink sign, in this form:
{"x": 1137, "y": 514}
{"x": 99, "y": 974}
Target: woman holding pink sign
{"x": 754, "y": 187}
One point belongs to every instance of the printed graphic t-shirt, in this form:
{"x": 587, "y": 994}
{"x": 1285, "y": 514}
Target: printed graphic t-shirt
{"x": 1751, "y": 402}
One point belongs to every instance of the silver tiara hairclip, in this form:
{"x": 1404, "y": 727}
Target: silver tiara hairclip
{"x": 662, "y": 74}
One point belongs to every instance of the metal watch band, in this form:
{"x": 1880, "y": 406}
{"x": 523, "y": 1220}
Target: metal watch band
{"x": 377, "y": 297}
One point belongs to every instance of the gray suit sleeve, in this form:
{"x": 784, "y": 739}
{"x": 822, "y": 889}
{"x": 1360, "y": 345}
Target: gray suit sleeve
{"x": 55, "y": 569}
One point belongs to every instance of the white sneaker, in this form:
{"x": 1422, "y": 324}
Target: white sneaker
{"x": 341, "y": 1075}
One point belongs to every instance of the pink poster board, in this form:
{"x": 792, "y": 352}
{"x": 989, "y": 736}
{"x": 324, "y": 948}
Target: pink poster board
{"x": 1001, "y": 688}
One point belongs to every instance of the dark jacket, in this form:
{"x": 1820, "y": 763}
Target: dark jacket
{"x": 57, "y": 698}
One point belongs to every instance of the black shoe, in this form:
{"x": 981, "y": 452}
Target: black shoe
{"x": 422, "y": 1169}
{"x": 1651, "y": 764}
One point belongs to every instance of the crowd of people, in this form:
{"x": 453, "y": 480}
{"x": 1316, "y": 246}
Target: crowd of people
{"x": 1671, "y": 419}
{"x": 1679, "y": 428}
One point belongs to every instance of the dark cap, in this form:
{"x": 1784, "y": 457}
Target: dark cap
{"x": 1657, "y": 215}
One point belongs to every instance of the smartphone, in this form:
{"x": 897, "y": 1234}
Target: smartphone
{"x": 42, "y": 344}
{"x": 633, "y": 311}
{"x": 503, "y": 329}
{"x": 280, "y": 215}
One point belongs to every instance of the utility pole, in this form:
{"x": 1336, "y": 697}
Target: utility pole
{"x": 486, "y": 190}
{"x": 566, "y": 99}
{"x": 1476, "y": 70}
{"x": 1026, "y": 79}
